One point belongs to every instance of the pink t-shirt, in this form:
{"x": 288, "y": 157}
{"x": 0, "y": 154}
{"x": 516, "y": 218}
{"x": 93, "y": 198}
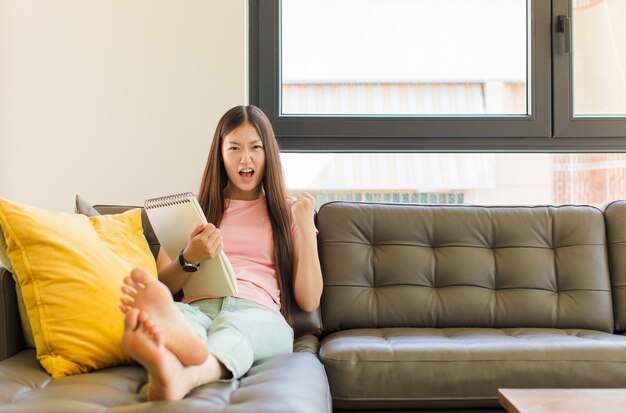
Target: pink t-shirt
{"x": 248, "y": 243}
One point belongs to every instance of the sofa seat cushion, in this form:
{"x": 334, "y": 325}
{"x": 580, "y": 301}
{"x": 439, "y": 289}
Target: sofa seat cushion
{"x": 290, "y": 383}
{"x": 453, "y": 367}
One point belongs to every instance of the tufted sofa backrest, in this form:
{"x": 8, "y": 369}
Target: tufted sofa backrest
{"x": 392, "y": 265}
{"x": 615, "y": 216}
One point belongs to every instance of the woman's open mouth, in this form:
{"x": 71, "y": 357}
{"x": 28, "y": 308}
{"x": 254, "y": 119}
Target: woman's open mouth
{"x": 247, "y": 173}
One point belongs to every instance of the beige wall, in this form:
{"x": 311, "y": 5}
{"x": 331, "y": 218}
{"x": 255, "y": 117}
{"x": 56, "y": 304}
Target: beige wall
{"x": 115, "y": 100}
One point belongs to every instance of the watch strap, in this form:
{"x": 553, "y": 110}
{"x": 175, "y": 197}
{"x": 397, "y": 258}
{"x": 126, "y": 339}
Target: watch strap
{"x": 186, "y": 266}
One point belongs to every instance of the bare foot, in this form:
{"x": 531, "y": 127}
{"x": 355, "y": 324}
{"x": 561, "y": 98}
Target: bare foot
{"x": 147, "y": 294}
{"x": 143, "y": 341}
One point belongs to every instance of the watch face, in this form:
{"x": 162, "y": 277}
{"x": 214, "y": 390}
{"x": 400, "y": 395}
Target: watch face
{"x": 189, "y": 268}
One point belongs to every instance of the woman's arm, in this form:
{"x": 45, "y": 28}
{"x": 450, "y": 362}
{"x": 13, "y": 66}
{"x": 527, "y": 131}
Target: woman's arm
{"x": 204, "y": 242}
{"x": 307, "y": 273}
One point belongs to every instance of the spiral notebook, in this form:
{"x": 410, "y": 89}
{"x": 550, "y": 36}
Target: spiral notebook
{"x": 172, "y": 218}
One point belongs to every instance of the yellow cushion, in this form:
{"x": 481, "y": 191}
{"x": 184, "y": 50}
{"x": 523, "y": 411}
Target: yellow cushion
{"x": 70, "y": 270}
{"x": 4, "y": 259}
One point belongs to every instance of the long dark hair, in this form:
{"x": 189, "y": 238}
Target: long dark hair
{"x": 212, "y": 196}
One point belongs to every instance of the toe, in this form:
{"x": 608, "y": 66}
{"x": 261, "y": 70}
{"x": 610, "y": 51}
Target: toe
{"x": 131, "y": 292}
{"x": 126, "y": 302}
{"x": 132, "y": 283}
{"x": 131, "y": 320}
{"x": 141, "y": 276}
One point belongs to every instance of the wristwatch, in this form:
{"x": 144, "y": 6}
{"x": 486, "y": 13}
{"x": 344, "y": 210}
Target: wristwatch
{"x": 186, "y": 266}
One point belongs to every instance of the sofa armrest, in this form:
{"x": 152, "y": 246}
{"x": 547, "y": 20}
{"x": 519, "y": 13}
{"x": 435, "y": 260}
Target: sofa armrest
{"x": 307, "y": 343}
{"x": 11, "y": 336}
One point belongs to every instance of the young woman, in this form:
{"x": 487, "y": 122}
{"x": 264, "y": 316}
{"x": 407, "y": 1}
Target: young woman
{"x": 271, "y": 243}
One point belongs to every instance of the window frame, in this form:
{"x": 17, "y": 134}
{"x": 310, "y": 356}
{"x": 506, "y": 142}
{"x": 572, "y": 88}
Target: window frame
{"x": 501, "y": 133}
{"x": 565, "y": 123}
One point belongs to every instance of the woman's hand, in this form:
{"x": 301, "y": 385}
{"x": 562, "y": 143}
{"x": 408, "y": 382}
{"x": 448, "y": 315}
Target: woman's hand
{"x": 302, "y": 211}
{"x": 205, "y": 242}
{"x": 308, "y": 284}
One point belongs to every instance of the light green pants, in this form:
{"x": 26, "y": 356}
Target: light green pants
{"x": 239, "y": 332}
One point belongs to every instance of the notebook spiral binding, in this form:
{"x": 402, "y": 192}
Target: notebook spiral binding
{"x": 182, "y": 198}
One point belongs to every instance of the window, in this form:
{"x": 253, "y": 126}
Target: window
{"x": 445, "y": 101}
{"x": 459, "y": 178}
{"x": 378, "y": 57}
{"x": 589, "y": 60}
{"x": 441, "y": 75}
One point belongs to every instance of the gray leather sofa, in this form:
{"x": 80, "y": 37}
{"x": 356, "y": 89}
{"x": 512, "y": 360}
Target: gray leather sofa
{"x": 424, "y": 307}
{"x": 439, "y": 306}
